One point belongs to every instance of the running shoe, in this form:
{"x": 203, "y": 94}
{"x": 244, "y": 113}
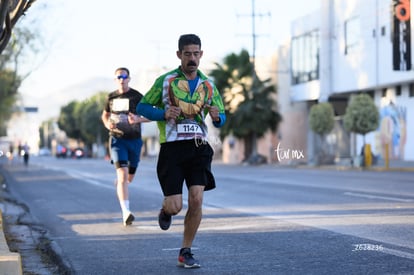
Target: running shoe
{"x": 186, "y": 260}
{"x": 164, "y": 220}
{"x": 129, "y": 219}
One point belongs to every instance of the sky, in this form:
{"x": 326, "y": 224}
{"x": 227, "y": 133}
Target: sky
{"x": 85, "y": 41}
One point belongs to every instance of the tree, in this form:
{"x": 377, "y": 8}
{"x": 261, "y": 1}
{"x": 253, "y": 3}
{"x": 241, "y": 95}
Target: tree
{"x": 250, "y": 103}
{"x": 24, "y": 44}
{"x": 81, "y": 120}
{"x": 321, "y": 121}
{"x": 10, "y": 79}
{"x": 47, "y": 133}
{"x": 361, "y": 115}
{"x": 9, "y": 83}
{"x": 67, "y": 120}
{"x": 92, "y": 128}
{"x": 21, "y": 46}
{"x": 10, "y": 13}
{"x": 321, "y": 118}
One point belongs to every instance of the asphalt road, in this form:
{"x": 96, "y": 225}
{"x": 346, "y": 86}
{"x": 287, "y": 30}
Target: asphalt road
{"x": 259, "y": 220}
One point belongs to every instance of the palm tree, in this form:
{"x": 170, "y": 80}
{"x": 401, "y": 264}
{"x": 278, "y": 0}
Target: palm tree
{"x": 249, "y": 102}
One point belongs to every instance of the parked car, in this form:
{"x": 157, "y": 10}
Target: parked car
{"x": 44, "y": 151}
{"x": 77, "y": 153}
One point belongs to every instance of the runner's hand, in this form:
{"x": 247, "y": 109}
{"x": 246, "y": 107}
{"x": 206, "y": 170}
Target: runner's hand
{"x": 214, "y": 112}
{"x": 172, "y": 113}
{"x": 132, "y": 118}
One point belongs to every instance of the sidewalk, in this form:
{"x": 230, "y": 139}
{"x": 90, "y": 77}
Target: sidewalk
{"x": 393, "y": 165}
{"x": 24, "y": 247}
{"x": 10, "y": 262}
{"x": 380, "y": 166}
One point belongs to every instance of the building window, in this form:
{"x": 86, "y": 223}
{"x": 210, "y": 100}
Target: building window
{"x": 352, "y": 34}
{"x": 305, "y": 57}
{"x": 398, "y": 91}
{"x": 411, "y": 90}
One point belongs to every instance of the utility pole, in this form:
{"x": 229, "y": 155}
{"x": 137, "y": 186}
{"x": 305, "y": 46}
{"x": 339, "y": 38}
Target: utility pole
{"x": 254, "y": 35}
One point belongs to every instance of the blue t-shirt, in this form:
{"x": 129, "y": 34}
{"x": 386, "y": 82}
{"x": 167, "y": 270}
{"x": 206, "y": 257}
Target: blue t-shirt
{"x": 193, "y": 85}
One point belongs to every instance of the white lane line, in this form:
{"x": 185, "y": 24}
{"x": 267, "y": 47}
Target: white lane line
{"x": 84, "y": 177}
{"x": 177, "y": 248}
{"x": 398, "y": 253}
{"x": 92, "y": 179}
{"x": 377, "y": 197}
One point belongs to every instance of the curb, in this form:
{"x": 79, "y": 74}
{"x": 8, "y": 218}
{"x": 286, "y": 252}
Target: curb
{"x": 10, "y": 262}
{"x": 350, "y": 168}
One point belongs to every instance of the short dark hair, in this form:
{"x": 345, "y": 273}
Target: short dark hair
{"x": 188, "y": 39}
{"x": 122, "y": 69}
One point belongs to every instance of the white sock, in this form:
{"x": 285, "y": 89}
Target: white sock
{"x": 125, "y": 207}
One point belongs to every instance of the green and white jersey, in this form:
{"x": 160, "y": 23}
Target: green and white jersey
{"x": 172, "y": 88}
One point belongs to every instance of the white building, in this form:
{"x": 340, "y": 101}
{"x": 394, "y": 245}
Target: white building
{"x": 345, "y": 48}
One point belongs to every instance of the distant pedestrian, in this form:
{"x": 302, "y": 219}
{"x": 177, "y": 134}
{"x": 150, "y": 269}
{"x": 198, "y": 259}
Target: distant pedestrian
{"x": 11, "y": 151}
{"x": 26, "y": 153}
{"x": 124, "y": 125}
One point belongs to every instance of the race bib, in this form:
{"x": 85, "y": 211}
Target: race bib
{"x": 120, "y": 105}
{"x": 189, "y": 129}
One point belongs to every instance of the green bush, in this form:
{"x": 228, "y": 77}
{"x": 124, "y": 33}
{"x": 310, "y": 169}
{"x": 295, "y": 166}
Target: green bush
{"x": 361, "y": 116}
{"x": 322, "y": 118}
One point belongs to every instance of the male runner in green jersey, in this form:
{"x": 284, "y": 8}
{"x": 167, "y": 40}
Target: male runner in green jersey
{"x": 179, "y": 101}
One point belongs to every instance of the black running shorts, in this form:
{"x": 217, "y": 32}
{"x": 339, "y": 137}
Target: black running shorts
{"x": 187, "y": 160}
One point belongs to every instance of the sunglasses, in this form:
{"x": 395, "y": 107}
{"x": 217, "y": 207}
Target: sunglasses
{"x": 122, "y": 76}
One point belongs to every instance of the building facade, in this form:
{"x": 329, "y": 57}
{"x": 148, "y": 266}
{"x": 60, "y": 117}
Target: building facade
{"x": 346, "y": 48}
